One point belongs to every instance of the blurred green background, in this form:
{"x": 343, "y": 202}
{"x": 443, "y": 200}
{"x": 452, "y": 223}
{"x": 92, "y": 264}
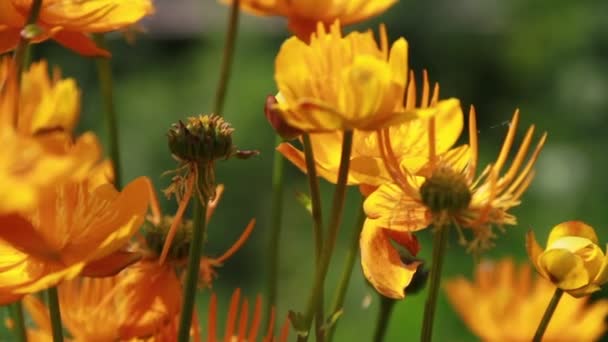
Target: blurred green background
{"x": 548, "y": 58}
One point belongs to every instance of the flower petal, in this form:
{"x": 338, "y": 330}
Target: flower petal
{"x": 21, "y": 234}
{"x": 572, "y": 228}
{"x": 80, "y": 43}
{"x": 391, "y": 208}
{"x": 110, "y": 265}
{"x": 565, "y": 269}
{"x": 382, "y": 265}
{"x": 534, "y": 252}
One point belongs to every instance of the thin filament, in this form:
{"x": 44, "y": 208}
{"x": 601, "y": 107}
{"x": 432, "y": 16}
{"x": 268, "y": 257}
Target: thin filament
{"x": 177, "y": 219}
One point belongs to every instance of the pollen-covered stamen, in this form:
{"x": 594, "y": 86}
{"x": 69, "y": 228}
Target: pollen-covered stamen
{"x": 445, "y": 191}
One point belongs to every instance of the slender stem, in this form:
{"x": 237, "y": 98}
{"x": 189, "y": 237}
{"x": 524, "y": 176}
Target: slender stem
{"x": 317, "y": 217}
{"x": 55, "y": 314}
{"x": 351, "y": 257}
{"x": 21, "y": 54}
{"x": 439, "y": 245}
{"x": 384, "y": 316}
{"x": 332, "y": 234}
{"x": 104, "y": 73}
{"x": 194, "y": 259}
{"x": 275, "y": 229}
{"x": 544, "y": 323}
{"x": 233, "y": 23}
{"x": 16, "y": 311}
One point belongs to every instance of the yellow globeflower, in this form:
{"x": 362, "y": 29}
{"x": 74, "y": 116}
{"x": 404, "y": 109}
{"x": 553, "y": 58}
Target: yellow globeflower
{"x": 69, "y": 22}
{"x": 366, "y": 164}
{"x": 77, "y": 228}
{"x": 446, "y": 190}
{"x": 303, "y": 15}
{"x": 344, "y": 83}
{"x": 505, "y": 304}
{"x": 573, "y": 260}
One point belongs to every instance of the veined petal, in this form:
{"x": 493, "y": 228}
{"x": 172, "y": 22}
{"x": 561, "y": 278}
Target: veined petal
{"x": 21, "y": 235}
{"x": 564, "y": 268}
{"x": 390, "y": 207}
{"x": 381, "y": 263}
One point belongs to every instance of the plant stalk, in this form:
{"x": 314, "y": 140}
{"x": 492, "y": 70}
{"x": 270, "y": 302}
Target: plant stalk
{"x": 384, "y": 315}
{"x": 228, "y": 56}
{"x": 347, "y": 271}
{"x": 55, "y": 313}
{"x": 278, "y": 167}
{"x": 440, "y": 238}
{"x": 194, "y": 259}
{"x": 104, "y": 73}
{"x": 332, "y": 234}
{"x": 544, "y": 323}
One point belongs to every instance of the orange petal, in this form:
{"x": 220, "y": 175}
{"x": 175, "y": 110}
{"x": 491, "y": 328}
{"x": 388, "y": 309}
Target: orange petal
{"x": 382, "y": 265}
{"x": 110, "y": 265}
{"x": 80, "y": 43}
{"x": 9, "y": 38}
{"x": 20, "y": 234}
{"x": 534, "y": 251}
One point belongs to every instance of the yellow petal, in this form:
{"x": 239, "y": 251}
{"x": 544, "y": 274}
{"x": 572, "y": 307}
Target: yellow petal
{"x": 565, "y": 269}
{"x": 572, "y": 228}
{"x": 382, "y": 265}
{"x": 602, "y": 275}
{"x": 534, "y": 252}
{"x": 391, "y": 208}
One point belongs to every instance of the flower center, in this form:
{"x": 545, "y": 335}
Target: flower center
{"x": 445, "y": 190}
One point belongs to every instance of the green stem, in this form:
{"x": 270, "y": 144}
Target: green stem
{"x": 194, "y": 259}
{"x": 439, "y": 246}
{"x": 233, "y": 23}
{"x": 332, "y": 234}
{"x": 275, "y": 229}
{"x": 351, "y": 257}
{"x": 317, "y": 218}
{"x": 104, "y": 73}
{"x": 384, "y": 316}
{"x": 544, "y": 323}
{"x": 55, "y": 313}
{"x": 21, "y": 55}
{"x": 16, "y": 311}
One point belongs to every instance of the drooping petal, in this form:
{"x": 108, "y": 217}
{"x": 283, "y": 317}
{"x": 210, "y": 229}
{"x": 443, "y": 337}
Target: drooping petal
{"x": 381, "y": 262}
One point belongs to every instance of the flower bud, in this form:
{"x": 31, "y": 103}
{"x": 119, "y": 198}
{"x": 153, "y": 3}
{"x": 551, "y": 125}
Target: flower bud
{"x": 201, "y": 139}
{"x": 573, "y": 260}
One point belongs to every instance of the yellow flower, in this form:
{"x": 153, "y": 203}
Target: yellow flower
{"x": 573, "y": 260}
{"x": 344, "y": 83}
{"x": 44, "y": 104}
{"x": 303, "y": 15}
{"x": 78, "y": 228}
{"x": 69, "y": 22}
{"x": 505, "y": 304}
{"x": 248, "y": 328}
{"x": 447, "y": 191}
{"x": 139, "y": 302}
{"x": 366, "y": 164}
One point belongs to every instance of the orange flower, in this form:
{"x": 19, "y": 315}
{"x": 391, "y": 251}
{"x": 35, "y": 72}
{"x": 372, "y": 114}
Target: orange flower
{"x": 302, "y": 16}
{"x": 366, "y": 164}
{"x": 447, "y": 191}
{"x": 77, "y": 229}
{"x": 505, "y": 304}
{"x": 69, "y": 22}
{"x": 141, "y": 301}
{"x": 344, "y": 83}
{"x": 246, "y": 330}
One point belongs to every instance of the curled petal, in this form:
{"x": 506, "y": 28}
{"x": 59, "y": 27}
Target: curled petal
{"x": 572, "y": 228}
{"x": 382, "y": 263}
{"x": 534, "y": 251}
{"x": 565, "y": 269}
